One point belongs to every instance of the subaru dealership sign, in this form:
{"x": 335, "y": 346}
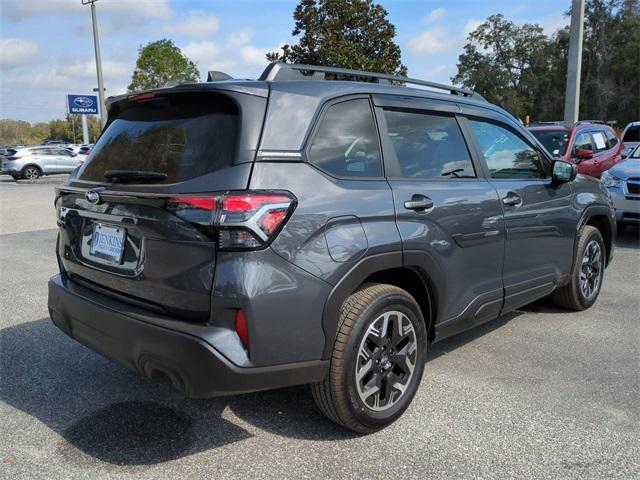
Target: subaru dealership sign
{"x": 82, "y": 104}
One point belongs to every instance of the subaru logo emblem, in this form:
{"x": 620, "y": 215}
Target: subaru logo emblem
{"x": 92, "y": 197}
{"x": 83, "y": 101}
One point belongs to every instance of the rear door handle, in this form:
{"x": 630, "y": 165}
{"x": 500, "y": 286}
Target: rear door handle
{"x": 512, "y": 200}
{"x": 418, "y": 203}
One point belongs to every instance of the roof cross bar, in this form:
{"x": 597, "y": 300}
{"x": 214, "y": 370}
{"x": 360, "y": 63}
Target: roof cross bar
{"x": 284, "y": 72}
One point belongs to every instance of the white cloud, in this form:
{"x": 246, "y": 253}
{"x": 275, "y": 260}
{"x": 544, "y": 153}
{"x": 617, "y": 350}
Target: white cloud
{"x": 110, "y": 69}
{"x": 440, "y": 40}
{"x": 553, "y": 22}
{"x": 197, "y": 24}
{"x": 435, "y": 15}
{"x": 239, "y": 38}
{"x": 433, "y": 40}
{"x": 15, "y": 52}
{"x": 254, "y": 56}
{"x": 209, "y": 55}
{"x": 19, "y": 10}
{"x": 234, "y": 52}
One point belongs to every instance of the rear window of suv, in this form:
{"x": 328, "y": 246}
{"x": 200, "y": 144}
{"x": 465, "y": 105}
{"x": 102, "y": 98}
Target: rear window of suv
{"x": 182, "y": 135}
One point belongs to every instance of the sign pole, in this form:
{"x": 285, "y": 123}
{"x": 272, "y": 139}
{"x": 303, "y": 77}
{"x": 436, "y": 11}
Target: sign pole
{"x": 96, "y": 45}
{"x": 85, "y": 129}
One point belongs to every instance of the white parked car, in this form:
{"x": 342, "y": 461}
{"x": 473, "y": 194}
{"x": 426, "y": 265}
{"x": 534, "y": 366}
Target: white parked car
{"x": 630, "y": 138}
{"x": 33, "y": 162}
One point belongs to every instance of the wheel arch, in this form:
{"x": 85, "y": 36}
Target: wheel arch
{"x": 32, "y": 165}
{"x": 602, "y": 218}
{"x": 382, "y": 268}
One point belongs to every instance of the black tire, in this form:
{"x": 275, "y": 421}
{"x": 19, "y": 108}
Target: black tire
{"x": 574, "y": 295}
{"x": 31, "y": 172}
{"x": 16, "y": 177}
{"x": 339, "y": 395}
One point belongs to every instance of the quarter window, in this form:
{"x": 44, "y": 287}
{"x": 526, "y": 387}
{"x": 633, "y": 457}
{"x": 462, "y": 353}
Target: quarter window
{"x": 346, "y": 142}
{"x": 428, "y": 146}
{"x": 506, "y": 154}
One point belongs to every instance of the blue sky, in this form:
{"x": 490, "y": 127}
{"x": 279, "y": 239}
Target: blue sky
{"x": 46, "y": 47}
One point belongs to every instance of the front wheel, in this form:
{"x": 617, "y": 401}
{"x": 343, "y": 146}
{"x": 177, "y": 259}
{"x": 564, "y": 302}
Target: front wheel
{"x": 377, "y": 360}
{"x": 586, "y": 276}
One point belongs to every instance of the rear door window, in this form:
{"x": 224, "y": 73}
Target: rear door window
{"x": 428, "y": 146}
{"x": 181, "y": 135}
{"x": 346, "y": 141}
{"x": 600, "y": 140}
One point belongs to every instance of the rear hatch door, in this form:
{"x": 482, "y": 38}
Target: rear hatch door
{"x": 118, "y": 232}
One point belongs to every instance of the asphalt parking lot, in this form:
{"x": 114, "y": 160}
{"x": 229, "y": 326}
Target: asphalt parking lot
{"x": 542, "y": 393}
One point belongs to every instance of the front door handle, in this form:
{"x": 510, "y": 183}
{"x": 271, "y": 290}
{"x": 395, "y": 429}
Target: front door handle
{"x": 418, "y": 203}
{"x": 512, "y": 200}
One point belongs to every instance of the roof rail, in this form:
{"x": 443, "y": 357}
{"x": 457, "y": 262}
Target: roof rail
{"x": 283, "y": 72}
{"x": 586, "y": 122}
{"x": 547, "y": 122}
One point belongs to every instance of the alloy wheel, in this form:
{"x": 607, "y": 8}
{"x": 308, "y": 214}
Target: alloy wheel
{"x": 31, "y": 173}
{"x": 386, "y": 360}
{"x": 591, "y": 270}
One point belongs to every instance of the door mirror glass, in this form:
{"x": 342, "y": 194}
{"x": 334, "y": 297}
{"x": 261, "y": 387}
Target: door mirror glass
{"x": 584, "y": 154}
{"x": 563, "y": 172}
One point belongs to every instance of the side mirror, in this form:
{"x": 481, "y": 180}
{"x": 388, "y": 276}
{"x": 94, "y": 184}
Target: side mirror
{"x": 584, "y": 154}
{"x": 73, "y": 154}
{"x": 563, "y": 172}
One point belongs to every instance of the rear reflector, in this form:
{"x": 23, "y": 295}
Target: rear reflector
{"x": 241, "y": 328}
{"x": 13, "y": 157}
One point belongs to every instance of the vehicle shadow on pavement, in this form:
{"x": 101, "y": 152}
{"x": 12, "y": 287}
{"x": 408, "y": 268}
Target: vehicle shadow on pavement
{"x": 105, "y": 412}
{"x": 630, "y": 238}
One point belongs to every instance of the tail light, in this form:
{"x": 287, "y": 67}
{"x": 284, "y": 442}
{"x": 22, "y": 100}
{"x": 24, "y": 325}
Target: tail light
{"x": 13, "y": 157}
{"x": 237, "y": 221}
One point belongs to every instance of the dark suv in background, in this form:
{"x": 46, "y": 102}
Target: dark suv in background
{"x": 593, "y": 146}
{"x": 238, "y": 235}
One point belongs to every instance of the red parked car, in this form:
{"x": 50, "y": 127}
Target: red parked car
{"x": 594, "y": 147}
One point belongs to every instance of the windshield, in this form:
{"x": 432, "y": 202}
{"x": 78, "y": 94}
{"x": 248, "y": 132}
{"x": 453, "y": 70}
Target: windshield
{"x": 555, "y": 141}
{"x": 632, "y": 134}
{"x": 182, "y": 135}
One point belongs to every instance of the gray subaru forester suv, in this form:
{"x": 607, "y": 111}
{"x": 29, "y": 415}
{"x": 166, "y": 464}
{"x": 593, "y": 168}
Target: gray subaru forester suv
{"x": 318, "y": 226}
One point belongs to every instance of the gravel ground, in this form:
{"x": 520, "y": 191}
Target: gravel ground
{"x": 542, "y": 393}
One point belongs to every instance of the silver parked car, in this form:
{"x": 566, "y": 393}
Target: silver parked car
{"x": 623, "y": 183}
{"x": 33, "y": 162}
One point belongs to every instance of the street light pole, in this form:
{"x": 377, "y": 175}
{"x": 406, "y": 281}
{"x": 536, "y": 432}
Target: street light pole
{"x": 574, "y": 66}
{"x": 96, "y": 44}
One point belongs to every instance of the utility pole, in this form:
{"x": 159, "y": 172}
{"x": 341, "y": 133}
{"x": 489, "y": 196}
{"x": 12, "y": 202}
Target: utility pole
{"x": 96, "y": 44}
{"x": 574, "y": 66}
{"x": 85, "y": 129}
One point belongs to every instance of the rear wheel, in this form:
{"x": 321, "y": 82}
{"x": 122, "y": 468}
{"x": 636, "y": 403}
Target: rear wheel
{"x": 31, "y": 172}
{"x": 377, "y": 360}
{"x": 587, "y": 273}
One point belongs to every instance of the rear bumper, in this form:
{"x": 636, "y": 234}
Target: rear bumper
{"x": 178, "y": 356}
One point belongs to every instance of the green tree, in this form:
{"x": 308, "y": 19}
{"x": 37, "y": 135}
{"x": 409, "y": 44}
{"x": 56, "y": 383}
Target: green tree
{"x": 524, "y": 70}
{"x": 352, "y": 34}
{"x": 159, "y": 62}
{"x": 504, "y": 62}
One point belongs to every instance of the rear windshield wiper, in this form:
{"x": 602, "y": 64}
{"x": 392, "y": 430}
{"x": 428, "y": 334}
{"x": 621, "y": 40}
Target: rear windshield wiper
{"x": 133, "y": 175}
